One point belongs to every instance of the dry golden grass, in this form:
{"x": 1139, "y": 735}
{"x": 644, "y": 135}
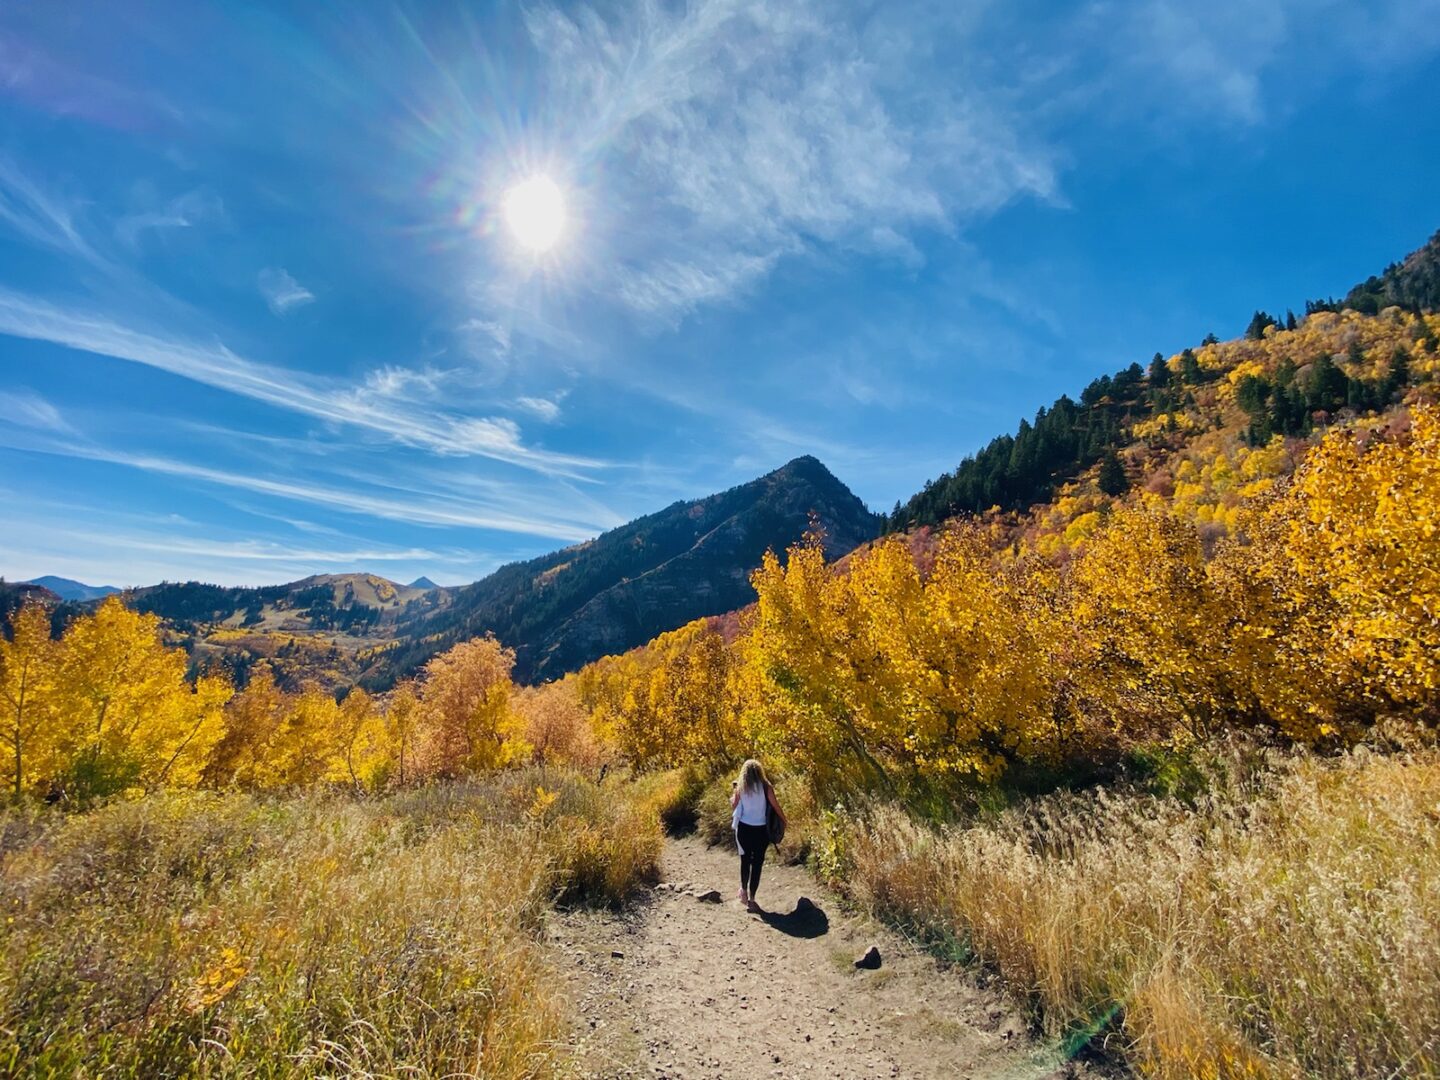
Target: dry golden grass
{"x": 1286, "y": 926}
{"x": 201, "y": 934}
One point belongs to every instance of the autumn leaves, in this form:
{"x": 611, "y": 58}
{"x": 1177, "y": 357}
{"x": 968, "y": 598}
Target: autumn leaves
{"x": 1315, "y": 616}
{"x": 108, "y": 707}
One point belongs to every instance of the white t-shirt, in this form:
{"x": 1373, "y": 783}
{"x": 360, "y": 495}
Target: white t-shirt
{"x": 751, "y": 810}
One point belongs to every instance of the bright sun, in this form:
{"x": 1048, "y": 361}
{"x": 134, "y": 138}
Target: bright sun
{"x": 535, "y": 213}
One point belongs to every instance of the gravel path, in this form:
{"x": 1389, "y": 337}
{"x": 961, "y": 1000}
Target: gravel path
{"x": 708, "y": 990}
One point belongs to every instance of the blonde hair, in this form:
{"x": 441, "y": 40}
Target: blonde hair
{"x": 752, "y": 775}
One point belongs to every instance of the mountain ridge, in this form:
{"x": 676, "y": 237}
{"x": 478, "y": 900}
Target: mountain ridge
{"x": 70, "y": 589}
{"x": 558, "y": 611}
{"x": 1068, "y": 438}
{"x": 626, "y": 585}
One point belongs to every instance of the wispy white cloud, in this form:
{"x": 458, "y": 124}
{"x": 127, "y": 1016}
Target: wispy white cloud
{"x": 372, "y": 406}
{"x": 543, "y": 408}
{"x": 506, "y": 513}
{"x": 43, "y": 80}
{"x": 40, "y": 216}
{"x": 495, "y": 335}
{"x": 756, "y": 129}
{"x": 1225, "y": 61}
{"x": 270, "y": 551}
{"x": 669, "y": 288}
{"x": 182, "y": 212}
{"x": 281, "y": 291}
{"x": 143, "y": 549}
{"x": 32, "y": 411}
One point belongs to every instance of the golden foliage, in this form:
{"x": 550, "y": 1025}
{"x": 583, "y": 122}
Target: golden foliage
{"x": 673, "y": 702}
{"x": 1314, "y": 615}
{"x": 467, "y": 722}
{"x": 27, "y": 669}
{"x": 556, "y": 727}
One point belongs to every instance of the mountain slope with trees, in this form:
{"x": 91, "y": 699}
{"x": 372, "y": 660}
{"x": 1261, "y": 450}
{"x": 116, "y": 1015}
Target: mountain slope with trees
{"x": 690, "y": 560}
{"x": 1310, "y": 377}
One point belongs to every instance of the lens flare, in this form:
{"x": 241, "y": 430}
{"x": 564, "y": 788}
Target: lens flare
{"x": 535, "y": 213}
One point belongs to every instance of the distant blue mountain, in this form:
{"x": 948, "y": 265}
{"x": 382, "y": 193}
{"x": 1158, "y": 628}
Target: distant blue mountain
{"x": 423, "y": 583}
{"x": 72, "y": 590}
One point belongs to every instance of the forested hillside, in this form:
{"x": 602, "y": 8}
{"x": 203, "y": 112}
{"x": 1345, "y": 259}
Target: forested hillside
{"x": 320, "y": 630}
{"x": 1163, "y": 560}
{"x": 1303, "y": 379}
{"x": 660, "y": 571}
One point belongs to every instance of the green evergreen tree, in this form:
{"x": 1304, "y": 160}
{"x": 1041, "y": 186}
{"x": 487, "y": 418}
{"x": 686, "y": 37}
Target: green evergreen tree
{"x": 1189, "y": 367}
{"x": 1327, "y": 386}
{"x": 1159, "y": 371}
{"x": 1112, "y": 479}
{"x": 1258, "y": 322}
{"x": 1398, "y": 376}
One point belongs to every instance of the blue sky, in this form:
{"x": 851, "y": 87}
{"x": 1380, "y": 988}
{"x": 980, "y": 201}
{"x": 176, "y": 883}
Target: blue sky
{"x": 261, "y": 315}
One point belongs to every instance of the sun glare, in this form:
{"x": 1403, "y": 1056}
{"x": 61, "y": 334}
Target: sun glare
{"x": 535, "y": 213}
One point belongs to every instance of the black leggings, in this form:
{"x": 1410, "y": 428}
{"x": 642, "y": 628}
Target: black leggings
{"x": 754, "y": 839}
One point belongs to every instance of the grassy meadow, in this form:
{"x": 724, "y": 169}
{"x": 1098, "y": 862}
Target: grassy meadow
{"x": 1282, "y": 920}
{"x": 193, "y": 933}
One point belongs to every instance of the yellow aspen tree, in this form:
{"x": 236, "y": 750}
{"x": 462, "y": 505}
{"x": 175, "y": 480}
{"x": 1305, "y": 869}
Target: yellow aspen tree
{"x": 1370, "y": 530}
{"x": 704, "y": 699}
{"x": 402, "y": 715}
{"x": 1147, "y": 618}
{"x": 468, "y": 722}
{"x": 359, "y": 741}
{"x": 878, "y": 609}
{"x": 307, "y": 743}
{"x": 27, "y": 671}
{"x": 177, "y": 742}
{"x": 245, "y": 753}
{"x": 804, "y": 699}
{"x": 556, "y": 726}
{"x": 987, "y": 696}
{"x": 115, "y": 676}
{"x": 619, "y": 693}
{"x": 1283, "y": 667}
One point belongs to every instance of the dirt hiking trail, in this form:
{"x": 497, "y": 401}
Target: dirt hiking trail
{"x": 682, "y": 988}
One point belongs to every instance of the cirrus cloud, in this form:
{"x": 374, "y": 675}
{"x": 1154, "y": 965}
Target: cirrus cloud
{"x": 757, "y": 129}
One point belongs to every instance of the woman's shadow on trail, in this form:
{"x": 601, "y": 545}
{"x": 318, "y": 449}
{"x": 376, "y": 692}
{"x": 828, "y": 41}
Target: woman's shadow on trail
{"x": 805, "y": 921}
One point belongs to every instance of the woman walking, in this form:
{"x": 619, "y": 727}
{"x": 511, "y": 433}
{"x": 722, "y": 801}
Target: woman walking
{"x": 751, "y": 797}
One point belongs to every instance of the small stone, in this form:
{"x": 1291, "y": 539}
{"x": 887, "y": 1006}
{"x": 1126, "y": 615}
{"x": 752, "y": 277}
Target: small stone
{"x": 616, "y": 954}
{"x": 870, "y": 960}
{"x": 711, "y": 897}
